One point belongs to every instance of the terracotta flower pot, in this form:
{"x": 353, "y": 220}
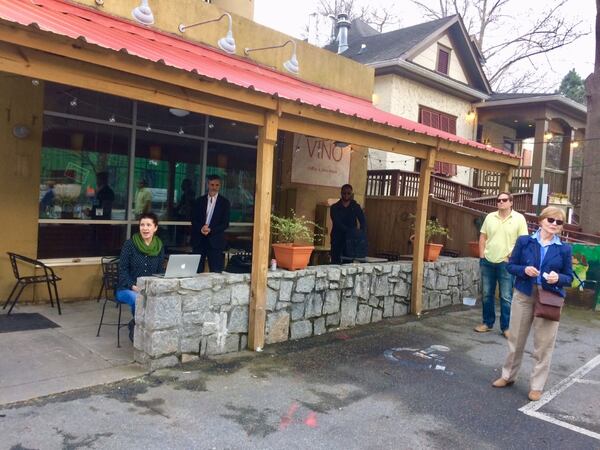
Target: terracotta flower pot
{"x": 474, "y": 249}
{"x": 292, "y": 256}
{"x": 432, "y": 252}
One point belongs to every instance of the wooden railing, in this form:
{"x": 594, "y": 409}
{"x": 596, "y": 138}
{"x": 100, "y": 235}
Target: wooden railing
{"x": 571, "y": 233}
{"x": 575, "y": 196}
{"x": 400, "y": 183}
{"x": 521, "y": 202}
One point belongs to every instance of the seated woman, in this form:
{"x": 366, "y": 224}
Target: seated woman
{"x": 142, "y": 255}
{"x": 539, "y": 262}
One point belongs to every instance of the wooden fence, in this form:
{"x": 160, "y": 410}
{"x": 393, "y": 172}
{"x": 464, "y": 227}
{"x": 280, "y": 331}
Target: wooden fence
{"x": 389, "y": 224}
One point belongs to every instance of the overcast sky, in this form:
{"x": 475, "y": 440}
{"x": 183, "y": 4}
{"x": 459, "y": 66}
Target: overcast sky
{"x": 292, "y": 16}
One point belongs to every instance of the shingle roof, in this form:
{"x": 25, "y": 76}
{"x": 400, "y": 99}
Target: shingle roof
{"x": 515, "y": 95}
{"x": 386, "y": 46}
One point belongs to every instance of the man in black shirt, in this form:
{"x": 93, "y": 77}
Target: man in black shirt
{"x": 346, "y": 214}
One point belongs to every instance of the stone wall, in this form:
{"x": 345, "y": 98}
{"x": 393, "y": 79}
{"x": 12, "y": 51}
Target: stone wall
{"x": 183, "y": 319}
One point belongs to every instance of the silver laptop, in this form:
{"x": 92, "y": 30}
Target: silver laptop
{"x": 181, "y": 266}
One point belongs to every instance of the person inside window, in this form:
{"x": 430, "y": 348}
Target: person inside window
{"x": 143, "y": 199}
{"x": 142, "y": 255}
{"x": 105, "y": 196}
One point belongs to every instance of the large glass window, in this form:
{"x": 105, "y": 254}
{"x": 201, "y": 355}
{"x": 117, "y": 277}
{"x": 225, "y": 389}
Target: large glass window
{"x": 167, "y": 176}
{"x": 237, "y": 168}
{"x": 84, "y": 170}
{"x": 89, "y": 195}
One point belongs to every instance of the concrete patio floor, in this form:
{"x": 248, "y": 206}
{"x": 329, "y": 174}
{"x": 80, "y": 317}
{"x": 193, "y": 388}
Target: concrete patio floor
{"x": 42, "y": 362}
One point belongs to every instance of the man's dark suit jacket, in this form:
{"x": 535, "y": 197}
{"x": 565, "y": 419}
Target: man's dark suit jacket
{"x": 218, "y": 224}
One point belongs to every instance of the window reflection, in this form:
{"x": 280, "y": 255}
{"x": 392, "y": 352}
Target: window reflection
{"x": 237, "y": 168}
{"x": 167, "y": 174}
{"x": 83, "y": 171}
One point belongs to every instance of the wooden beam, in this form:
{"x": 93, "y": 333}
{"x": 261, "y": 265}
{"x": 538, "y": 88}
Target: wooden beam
{"x": 471, "y": 161}
{"x": 416, "y": 298}
{"x": 329, "y": 130}
{"x": 506, "y": 181}
{"x": 354, "y": 123}
{"x": 44, "y": 66}
{"x": 93, "y": 54}
{"x": 267, "y": 137}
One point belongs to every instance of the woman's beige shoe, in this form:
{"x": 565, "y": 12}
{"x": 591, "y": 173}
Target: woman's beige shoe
{"x": 501, "y": 383}
{"x": 534, "y": 396}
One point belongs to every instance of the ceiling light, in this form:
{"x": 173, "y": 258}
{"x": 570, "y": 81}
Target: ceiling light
{"x": 291, "y": 65}
{"x": 112, "y": 118}
{"x": 148, "y": 128}
{"x": 180, "y": 132}
{"x": 73, "y": 102}
{"x": 143, "y": 13}
{"x": 226, "y": 43}
{"x": 179, "y": 112}
{"x": 211, "y": 125}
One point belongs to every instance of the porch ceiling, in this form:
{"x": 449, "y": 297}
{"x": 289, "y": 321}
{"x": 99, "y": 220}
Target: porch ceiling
{"x": 230, "y": 86}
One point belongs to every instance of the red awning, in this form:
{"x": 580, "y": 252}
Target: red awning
{"x": 79, "y": 22}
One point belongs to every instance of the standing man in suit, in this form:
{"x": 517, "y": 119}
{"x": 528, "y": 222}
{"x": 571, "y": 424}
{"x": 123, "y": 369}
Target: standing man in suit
{"x": 210, "y": 219}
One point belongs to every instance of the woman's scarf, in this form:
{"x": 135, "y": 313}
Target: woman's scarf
{"x": 153, "y": 249}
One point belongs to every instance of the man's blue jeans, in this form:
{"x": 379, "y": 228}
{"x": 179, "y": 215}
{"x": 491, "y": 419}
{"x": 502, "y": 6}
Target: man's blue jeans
{"x": 493, "y": 274}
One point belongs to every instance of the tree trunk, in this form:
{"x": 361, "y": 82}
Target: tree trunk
{"x": 590, "y": 190}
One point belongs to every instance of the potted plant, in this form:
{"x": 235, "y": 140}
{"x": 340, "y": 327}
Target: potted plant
{"x": 474, "y": 245}
{"x": 293, "y": 239}
{"x": 433, "y": 229}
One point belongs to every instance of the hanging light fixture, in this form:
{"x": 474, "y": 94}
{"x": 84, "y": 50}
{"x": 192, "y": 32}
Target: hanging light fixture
{"x": 291, "y": 65}
{"x": 177, "y": 112}
{"x": 180, "y": 132}
{"x": 226, "y": 43}
{"x": 143, "y": 13}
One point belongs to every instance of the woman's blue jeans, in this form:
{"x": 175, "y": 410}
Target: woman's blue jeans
{"x": 493, "y": 274}
{"x": 127, "y": 296}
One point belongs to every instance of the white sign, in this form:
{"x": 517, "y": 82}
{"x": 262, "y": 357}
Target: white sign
{"x": 540, "y": 198}
{"x": 320, "y": 162}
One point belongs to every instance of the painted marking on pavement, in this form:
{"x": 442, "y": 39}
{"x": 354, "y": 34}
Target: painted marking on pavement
{"x": 531, "y": 409}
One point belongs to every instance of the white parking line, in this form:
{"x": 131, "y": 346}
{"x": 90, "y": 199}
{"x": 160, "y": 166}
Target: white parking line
{"x": 531, "y": 409}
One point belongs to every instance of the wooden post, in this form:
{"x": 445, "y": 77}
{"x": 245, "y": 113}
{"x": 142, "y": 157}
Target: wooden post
{"x": 416, "y": 298}
{"x": 267, "y": 137}
{"x": 506, "y": 181}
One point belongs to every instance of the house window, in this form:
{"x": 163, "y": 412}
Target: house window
{"x": 443, "y": 61}
{"x": 509, "y": 145}
{"x": 444, "y": 122}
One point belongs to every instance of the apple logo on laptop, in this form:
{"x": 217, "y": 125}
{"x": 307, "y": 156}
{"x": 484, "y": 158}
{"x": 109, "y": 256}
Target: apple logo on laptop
{"x": 183, "y": 267}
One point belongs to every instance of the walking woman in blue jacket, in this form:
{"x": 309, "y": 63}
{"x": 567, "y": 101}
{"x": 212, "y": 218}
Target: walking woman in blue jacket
{"x": 540, "y": 261}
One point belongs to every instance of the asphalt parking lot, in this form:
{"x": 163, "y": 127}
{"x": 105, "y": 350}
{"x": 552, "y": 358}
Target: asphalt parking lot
{"x": 395, "y": 384}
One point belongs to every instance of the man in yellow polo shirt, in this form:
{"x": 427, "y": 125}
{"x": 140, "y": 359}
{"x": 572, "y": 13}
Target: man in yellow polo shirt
{"x": 499, "y": 233}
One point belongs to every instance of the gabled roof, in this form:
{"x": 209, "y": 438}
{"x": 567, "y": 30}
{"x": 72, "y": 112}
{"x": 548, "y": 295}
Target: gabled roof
{"x": 391, "y": 45}
{"x": 385, "y": 51}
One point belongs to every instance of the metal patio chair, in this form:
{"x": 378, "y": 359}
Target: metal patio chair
{"x": 48, "y": 277}
{"x": 110, "y": 278}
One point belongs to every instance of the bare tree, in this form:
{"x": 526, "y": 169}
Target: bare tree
{"x": 590, "y": 190}
{"x": 506, "y": 57}
{"x": 378, "y": 18}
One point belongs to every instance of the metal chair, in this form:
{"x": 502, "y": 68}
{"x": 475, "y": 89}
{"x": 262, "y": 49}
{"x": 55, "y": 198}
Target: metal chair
{"x": 49, "y": 277}
{"x": 110, "y": 278}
